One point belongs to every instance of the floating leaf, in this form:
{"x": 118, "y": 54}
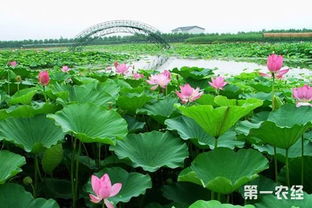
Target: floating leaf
{"x": 32, "y": 134}
{"x": 152, "y": 150}
{"x": 90, "y": 123}
{"x": 10, "y": 165}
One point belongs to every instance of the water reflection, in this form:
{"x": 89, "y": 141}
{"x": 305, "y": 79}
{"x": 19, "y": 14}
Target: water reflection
{"x": 222, "y": 67}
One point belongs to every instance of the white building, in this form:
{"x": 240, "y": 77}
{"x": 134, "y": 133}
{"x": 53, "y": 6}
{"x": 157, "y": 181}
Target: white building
{"x": 189, "y": 30}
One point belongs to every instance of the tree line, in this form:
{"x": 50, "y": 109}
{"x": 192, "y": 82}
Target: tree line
{"x": 169, "y": 37}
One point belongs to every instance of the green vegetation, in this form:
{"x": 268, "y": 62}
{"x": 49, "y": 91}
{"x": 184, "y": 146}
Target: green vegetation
{"x": 169, "y": 37}
{"x": 243, "y": 37}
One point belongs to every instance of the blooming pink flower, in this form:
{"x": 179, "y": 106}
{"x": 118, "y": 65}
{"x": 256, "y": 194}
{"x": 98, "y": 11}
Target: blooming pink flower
{"x": 44, "y": 78}
{"x": 121, "y": 68}
{"x": 188, "y": 94}
{"x": 303, "y": 95}
{"x": 161, "y": 80}
{"x": 65, "y": 69}
{"x": 274, "y": 63}
{"x": 217, "y": 83}
{"x": 13, "y": 63}
{"x": 279, "y": 74}
{"x": 137, "y": 76}
{"x": 167, "y": 74}
{"x": 103, "y": 189}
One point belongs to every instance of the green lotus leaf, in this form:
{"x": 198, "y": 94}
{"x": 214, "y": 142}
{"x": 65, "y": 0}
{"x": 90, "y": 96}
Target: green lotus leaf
{"x": 188, "y": 175}
{"x": 52, "y": 157}
{"x": 90, "y": 123}
{"x": 133, "y": 184}
{"x": 87, "y": 93}
{"x": 32, "y": 134}
{"x": 185, "y": 193}
{"x": 160, "y": 110}
{"x": 216, "y": 121}
{"x": 293, "y": 152}
{"x": 206, "y": 99}
{"x": 272, "y": 201}
{"x": 133, "y": 101}
{"x": 222, "y": 176}
{"x": 289, "y": 115}
{"x": 23, "y": 96}
{"x": 133, "y": 124}
{"x": 216, "y": 204}
{"x": 192, "y": 72}
{"x": 26, "y": 111}
{"x": 152, "y": 150}
{"x": 10, "y": 165}
{"x": 111, "y": 87}
{"x": 14, "y": 195}
{"x": 187, "y": 128}
{"x": 282, "y": 137}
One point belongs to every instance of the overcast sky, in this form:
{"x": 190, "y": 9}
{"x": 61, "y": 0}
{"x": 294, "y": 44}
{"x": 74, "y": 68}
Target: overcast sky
{"x": 40, "y": 19}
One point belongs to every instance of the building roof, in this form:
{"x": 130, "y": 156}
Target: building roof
{"x": 187, "y": 28}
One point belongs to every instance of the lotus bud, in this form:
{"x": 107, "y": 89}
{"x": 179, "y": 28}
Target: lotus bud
{"x": 27, "y": 180}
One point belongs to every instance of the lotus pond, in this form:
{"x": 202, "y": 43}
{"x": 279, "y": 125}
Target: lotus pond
{"x": 72, "y": 136}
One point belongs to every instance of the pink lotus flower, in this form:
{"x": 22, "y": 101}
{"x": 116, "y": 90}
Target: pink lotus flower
{"x": 161, "y": 79}
{"x": 279, "y": 74}
{"x": 188, "y": 94}
{"x": 167, "y": 74}
{"x": 44, "y": 78}
{"x": 65, "y": 69}
{"x": 121, "y": 68}
{"x": 103, "y": 189}
{"x": 303, "y": 95}
{"x": 217, "y": 83}
{"x": 13, "y": 63}
{"x": 274, "y": 63}
{"x": 137, "y": 76}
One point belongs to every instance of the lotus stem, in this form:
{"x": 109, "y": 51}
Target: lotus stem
{"x": 219, "y": 197}
{"x": 77, "y": 170}
{"x": 211, "y": 195}
{"x": 302, "y": 160}
{"x": 72, "y": 178}
{"x": 99, "y": 156}
{"x": 103, "y": 205}
{"x": 216, "y": 143}
{"x": 8, "y": 82}
{"x": 273, "y": 91}
{"x": 275, "y": 165}
{"x": 37, "y": 175}
{"x": 44, "y": 94}
{"x": 228, "y": 198}
{"x": 287, "y": 169}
